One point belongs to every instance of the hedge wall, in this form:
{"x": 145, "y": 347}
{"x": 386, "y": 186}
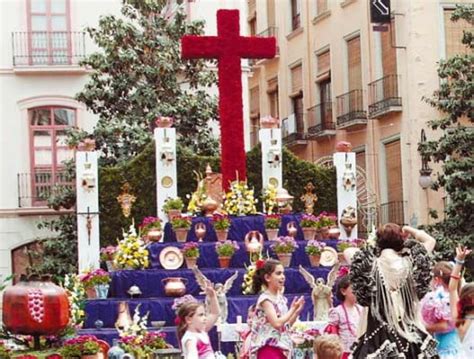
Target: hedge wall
{"x": 140, "y": 174}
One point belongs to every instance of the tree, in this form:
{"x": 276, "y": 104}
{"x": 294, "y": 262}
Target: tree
{"x": 454, "y": 148}
{"x": 139, "y": 75}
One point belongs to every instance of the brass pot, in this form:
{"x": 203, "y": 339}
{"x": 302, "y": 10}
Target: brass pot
{"x": 209, "y": 206}
{"x": 174, "y": 286}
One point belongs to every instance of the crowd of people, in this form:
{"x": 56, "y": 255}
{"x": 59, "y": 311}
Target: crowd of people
{"x": 394, "y": 304}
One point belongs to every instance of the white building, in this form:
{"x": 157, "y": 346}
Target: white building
{"x": 42, "y": 42}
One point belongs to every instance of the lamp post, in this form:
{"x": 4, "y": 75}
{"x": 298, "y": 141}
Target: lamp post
{"x": 425, "y": 172}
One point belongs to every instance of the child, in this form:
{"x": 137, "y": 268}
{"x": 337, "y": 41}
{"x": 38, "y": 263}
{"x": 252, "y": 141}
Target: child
{"x": 345, "y": 317}
{"x": 327, "y": 346}
{"x": 270, "y": 338}
{"x": 436, "y": 313}
{"x": 193, "y": 326}
{"x": 245, "y": 335}
{"x": 462, "y": 305}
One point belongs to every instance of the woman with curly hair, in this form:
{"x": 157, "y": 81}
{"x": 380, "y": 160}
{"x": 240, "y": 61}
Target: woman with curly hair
{"x": 389, "y": 279}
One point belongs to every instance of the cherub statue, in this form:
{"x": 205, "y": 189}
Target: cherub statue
{"x": 321, "y": 293}
{"x": 221, "y": 291}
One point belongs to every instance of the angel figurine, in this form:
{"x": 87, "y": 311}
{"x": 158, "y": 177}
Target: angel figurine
{"x": 221, "y": 291}
{"x": 321, "y": 293}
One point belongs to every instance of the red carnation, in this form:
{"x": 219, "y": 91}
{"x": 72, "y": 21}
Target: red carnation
{"x": 260, "y": 263}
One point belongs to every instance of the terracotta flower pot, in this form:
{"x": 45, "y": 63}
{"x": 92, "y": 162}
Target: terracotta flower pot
{"x": 91, "y": 293}
{"x": 173, "y": 213}
{"x": 91, "y": 356}
{"x": 272, "y": 233}
{"x": 191, "y": 262}
{"x": 181, "y": 234}
{"x": 285, "y": 259}
{"x": 221, "y": 234}
{"x": 314, "y": 260}
{"x": 224, "y": 262}
{"x": 309, "y": 233}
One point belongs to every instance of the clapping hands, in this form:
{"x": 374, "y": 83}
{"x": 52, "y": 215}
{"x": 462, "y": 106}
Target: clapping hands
{"x": 297, "y": 304}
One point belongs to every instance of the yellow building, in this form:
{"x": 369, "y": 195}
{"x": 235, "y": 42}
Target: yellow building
{"x": 337, "y": 79}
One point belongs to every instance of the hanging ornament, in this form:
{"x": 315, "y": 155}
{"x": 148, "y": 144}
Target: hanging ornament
{"x": 88, "y": 178}
{"x": 348, "y": 178}
{"x": 167, "y": 155}
{"x": 348, "y": 219}
{"x": 274, "y": 154}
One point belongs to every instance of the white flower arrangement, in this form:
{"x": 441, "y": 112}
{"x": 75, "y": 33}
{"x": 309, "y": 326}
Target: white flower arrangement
{"x": 269, "y": 199}
{"x": 138, "y": 326}
{"x": 131, "y": 251}
{"x": 240, "y": 200}
{"x": 76, "y": 296}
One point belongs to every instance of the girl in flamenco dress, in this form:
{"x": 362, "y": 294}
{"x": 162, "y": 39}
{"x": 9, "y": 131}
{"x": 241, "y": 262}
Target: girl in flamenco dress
{"x": 389, "y": 279}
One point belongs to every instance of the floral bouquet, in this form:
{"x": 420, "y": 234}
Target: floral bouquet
{"x": 190, "y": 250}
{"x": 131, "y": 251}
{"x": 247, "y": 284}
{"x": 149, "y": 223}
{"x": 326, "y": 220}
{"x": 272, "y": 221}
{"x": 220, "y": 222}
{"x": 143, "y": 346}
{"x": 303, "y": 336}
{"x": 227, "y": 248}
{"x": 90, "y": 279}
{"x": 76, "y": 296}
{"x": 79, "y": 346}
{"x": 348, "y": 243}
{"x": 108, "y": 253}
{"x": 309, "y": 221}
{"x": 269, "y": 199}
{"x": 240, "y": 200}
{"x": 181, "y": 222}
{"x": 314, "y": 248}
{"x": 285, "y": 244}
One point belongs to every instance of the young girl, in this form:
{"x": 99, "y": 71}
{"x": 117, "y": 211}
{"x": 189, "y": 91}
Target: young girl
{"x": 245, "y": 335}
{"x": 436, "y": 313}
{"x": 193, "y": 326}
{"x": 462, "y": 305}
{"x": 345, "y": 317}
{"x": 270, "y": 337}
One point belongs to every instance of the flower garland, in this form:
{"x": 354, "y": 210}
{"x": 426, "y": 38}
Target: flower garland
{"x": 269, "y": 199}
{"x": 76, "y": 296}
{"x": 240, "y": 200}
{"x": 131, "y": 251}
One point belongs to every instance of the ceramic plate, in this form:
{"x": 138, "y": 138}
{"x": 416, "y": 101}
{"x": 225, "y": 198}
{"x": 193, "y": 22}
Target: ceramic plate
{"x": 171, "y": 258}
{"x": 167, "y": 181}
{"x": 328, "y": 257}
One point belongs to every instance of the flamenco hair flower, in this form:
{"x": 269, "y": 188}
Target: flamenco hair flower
{"x": 260, "y": 263}
{"x": 177, "y": 321}
{"x": 342, "y": 272}
{"x": 182, "y": 300}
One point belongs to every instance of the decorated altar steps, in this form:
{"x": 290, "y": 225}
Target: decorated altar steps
{"x": 150, "y": 281}
{"x": 208, "y": 255}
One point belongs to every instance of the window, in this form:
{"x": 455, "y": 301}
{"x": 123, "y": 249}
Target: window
{"x": 255, "y": 128}
{"x": 295, "y": 14}
{"x": 297, "y": 103}
{"x": 49, "y": 30}
{"x": 296, "y": 79}
{"x": 321, "y": 6}
{"x": 272, "y": 91}
{"x": 253, "y": 26}
{"x": 326, "y": 103}
{"x": 389, "y": 52}
{"x": 453, "y": 33}
{"x": 354, "y": 64}
{"x": 48, "y": 127}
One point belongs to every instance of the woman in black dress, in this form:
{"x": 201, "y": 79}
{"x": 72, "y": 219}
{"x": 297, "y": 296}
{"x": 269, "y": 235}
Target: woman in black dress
{"x": 389, "y": 279}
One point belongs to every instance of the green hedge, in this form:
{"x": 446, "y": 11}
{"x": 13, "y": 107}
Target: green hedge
{"x": 140, "y": 174}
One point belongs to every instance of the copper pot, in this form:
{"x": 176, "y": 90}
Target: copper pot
{"x": 174, "y": 286}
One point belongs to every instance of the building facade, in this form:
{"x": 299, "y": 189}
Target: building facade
{"x": 42, "y": 44}
{"x": 336, "y": 78}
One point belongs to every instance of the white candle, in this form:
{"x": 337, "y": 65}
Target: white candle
{"x": 239, "y": 319}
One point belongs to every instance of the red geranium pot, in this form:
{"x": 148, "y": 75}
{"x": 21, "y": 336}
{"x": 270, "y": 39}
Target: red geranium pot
{"x": 35, "y": 308}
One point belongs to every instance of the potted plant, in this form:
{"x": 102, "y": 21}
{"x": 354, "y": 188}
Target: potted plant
{"x": 84, "y": 347}
{"x": 191, "y": 253}
{"x": 284, "y": 248}
{"x": 107, "y": 255}
{"x": 173, "y": 207}
{"x": 313, "y": 249}
{"x": 221, "y": 224}
{"x": 96, "y": 283}
{"x": 325, "y": 221}
{"x": 181, "y": 227}
{"x": 272, "y": 224}
{"x": 144, "y": 345}
{"x": 150, "y": 228}
{"x": 225, "y": 251}
{"x": 309, "y": 224}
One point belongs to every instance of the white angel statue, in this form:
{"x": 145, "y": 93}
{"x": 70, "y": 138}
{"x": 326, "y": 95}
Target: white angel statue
{"x": 221, "y": 291}
{"x": 321, "y": 294}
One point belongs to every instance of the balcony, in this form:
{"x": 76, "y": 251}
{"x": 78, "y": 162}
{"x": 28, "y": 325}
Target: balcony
{"x": 384, "y": 97}
{"x": 34, "y": 190}
{"x": 292, "y": 131}
{"x": 350, "y": 110}
{"x": 52, "y": 50}
{"x": 392, "y": 212}
{"x": 271, "y": 31}
{"x": 320, "y": 121}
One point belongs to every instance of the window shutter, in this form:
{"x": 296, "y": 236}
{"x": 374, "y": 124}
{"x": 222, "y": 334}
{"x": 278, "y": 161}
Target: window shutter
{"x": 389, "y": 53}
{"x": 296, "y": 79}
{"x": 324, "y": 62}
{"x": 354, "y": 64}
{"x": 394, "y": 171}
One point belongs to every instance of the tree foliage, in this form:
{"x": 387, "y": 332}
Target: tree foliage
{"x": 138, "y": 75}
{"x": 454, "y": 148}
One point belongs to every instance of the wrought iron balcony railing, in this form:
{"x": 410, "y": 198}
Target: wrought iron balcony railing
{"x": 320, "y": 120}
{"x": 384, "y": 96}
{"x": 392, "y": 212}
{"x": 350, "y": 109}
{"x": 35, "y": 189}
{"x": 48, "y": 48}
{"x": 292, "y": 130}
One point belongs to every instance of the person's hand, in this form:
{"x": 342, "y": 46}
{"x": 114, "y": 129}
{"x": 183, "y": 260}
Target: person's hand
{"x": 209, "y": 289}
{"x": 462, "y": 252}
{"x": 409, "y": 230}
{"x": 300, "y": 302}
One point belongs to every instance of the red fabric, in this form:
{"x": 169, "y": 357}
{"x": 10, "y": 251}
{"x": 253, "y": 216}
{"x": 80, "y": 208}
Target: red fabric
{"x": 331, "y": 329}
{"x": 268, "y": 352}
{"x": 228, "y": 48}
{"x": 345, "y": 355}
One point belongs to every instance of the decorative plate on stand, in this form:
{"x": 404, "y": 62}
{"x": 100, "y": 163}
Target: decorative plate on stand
{"x": 171, "y": 258}
{"x": 328, "y": 257}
